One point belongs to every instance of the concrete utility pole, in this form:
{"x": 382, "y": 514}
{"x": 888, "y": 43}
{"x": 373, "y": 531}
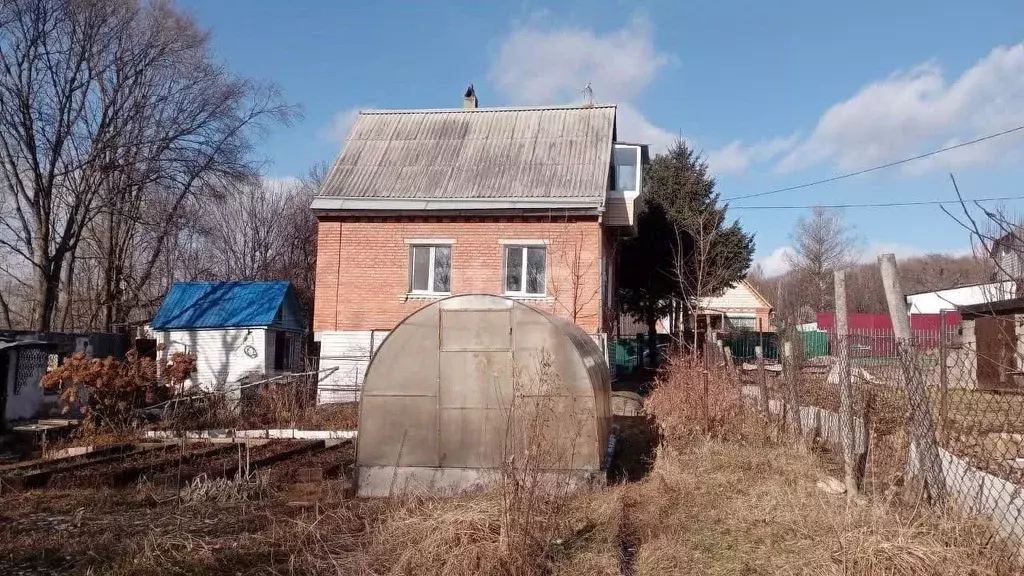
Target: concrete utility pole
{"x": 762, "y": 384}
{"x": 922, "y": 432}
{"x": 789, "y": 370}
{"x": 845, "y": 384}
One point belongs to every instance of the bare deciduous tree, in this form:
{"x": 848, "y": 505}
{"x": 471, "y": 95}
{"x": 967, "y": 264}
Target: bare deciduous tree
{"x": 572, "y": 273}
{"x": 822, "y": 244}
{"x": 109, "y": 109}
{"x": 704, "y": 248}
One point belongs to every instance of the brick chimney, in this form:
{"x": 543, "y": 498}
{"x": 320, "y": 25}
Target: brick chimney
{"x": 469, "y": 98}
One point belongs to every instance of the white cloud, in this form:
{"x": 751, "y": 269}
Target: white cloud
{"x": 915, "y": 111}
{"x": 777, "y": 262}
{"x": 540, "y": 64}
{"x": 337, "y": 129}
{"x": 635, "y": 127}
{"x": 873, "y": 250}
{"x": 736, "y": 157}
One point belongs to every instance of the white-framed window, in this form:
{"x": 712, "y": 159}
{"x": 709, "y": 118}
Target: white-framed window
{"x": 625, "y": 161}
{"x": 430, "y": 267}
{"x": 525, "y": 270}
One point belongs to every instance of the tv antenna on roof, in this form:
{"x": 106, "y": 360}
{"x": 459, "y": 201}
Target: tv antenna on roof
{"x": 588, "y": 95}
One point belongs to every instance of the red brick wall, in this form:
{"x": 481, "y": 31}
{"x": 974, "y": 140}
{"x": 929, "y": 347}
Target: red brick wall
{"x": 362, "y": 275}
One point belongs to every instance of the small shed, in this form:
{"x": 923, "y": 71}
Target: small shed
{"x": 468, "y": 384}
{"x": 993, "y": 344}
{"x": 22, "y": 365}
{"x": 235, "y": 329}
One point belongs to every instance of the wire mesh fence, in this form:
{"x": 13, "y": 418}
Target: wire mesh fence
{"x": 940, "y": 414}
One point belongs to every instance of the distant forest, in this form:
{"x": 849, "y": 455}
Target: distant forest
{"x": 787, "y": 292}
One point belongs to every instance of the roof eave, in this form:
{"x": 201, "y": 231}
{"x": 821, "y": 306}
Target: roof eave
{"x": 334, "y": 203}
{"x": 165, "y": 328}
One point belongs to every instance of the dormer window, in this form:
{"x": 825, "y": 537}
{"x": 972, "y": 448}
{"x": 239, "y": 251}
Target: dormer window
{"x": 624, "y": 164}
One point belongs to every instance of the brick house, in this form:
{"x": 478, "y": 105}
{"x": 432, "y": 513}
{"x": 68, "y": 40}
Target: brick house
{"x": 423, "y": 204}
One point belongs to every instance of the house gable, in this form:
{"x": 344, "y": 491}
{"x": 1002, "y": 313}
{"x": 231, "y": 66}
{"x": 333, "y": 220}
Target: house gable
{"x": 290, "y": 315}
{"x": 742, "y": 297}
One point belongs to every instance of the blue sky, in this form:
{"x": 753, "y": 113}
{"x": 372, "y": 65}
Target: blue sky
{"x": 774, "y": 93}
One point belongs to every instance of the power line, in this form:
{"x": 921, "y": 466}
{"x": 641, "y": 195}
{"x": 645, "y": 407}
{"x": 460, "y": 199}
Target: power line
{"x": 878, "y": 205}
{"x": 876, "y": 168}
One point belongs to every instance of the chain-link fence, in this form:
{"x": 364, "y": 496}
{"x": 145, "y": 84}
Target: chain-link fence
{"x": 941, "y": 414}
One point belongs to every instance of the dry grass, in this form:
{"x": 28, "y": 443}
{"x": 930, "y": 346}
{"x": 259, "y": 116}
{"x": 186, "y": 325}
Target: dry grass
{"x": 726, "y": 508}
{"x": 741, "y": 507}
{"x": 708, "y": 507}
{"x": 273, "y": 407}
{"x": 713, "y": 504}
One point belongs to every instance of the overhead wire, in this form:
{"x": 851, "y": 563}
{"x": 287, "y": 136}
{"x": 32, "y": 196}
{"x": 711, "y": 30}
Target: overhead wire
{"x": 875, "y": 168}
{"x": 876, "y": 204}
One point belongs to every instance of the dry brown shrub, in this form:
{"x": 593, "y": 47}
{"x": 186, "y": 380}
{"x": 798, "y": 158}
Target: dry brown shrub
{"x": 685, "y": 410}
{"x": 111, "y": 390}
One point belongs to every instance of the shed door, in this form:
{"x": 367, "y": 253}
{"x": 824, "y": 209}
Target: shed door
{"x": 996, "y": 339}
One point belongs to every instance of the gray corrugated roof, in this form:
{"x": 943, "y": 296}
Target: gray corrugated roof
{"x": 476, "y": 153}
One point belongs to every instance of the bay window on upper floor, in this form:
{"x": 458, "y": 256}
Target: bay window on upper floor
{"x": 626, "y": 179}
{"x": 625, "y": 160}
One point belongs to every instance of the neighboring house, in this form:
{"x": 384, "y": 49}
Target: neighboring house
{"x": 1008, "y": 254}
{"x": 949, "y": 299}
{"x": 22, "y": 365}
{"x": 235, "y": 329}
{"x": 740, "y": 307}
{"x": 423, "y": 204}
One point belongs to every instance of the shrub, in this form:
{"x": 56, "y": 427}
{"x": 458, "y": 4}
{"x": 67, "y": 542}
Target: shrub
{"x": 110, "y": 390}
{"x": 684, "y": 409}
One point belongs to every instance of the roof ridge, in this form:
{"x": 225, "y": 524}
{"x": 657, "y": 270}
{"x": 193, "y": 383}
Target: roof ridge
{"x": 232, "y": 281}
{"x": 491, "y": 109}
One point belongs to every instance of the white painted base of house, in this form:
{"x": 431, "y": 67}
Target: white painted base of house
{"x": 351, "y": 351}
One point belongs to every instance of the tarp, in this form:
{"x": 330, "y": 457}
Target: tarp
{"x": 195, "y": 305}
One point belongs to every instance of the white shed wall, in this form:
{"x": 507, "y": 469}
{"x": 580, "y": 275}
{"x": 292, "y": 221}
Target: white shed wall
{"x": 222, "y": 356}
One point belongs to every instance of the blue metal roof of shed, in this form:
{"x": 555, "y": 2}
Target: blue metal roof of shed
{"x": 220, "y": 305}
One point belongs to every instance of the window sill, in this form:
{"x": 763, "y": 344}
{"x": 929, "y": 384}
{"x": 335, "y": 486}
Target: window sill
{"x": 529, "y": 297}
{"x": 425, "y": 296}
